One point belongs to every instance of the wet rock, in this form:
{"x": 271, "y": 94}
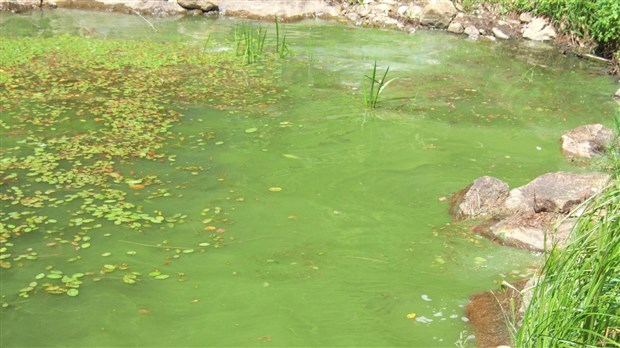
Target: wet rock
{"x": 456, "y": 28}
{"x": 533, "y": 216}
{"x": 586, "y": 141}
{"x": 484, "y": 197}
{"x": 402, "y": 10}
{"x": 472, "y": 32}
{"x": 558, "y": 192}
{"x": 202, "y": 5}
{"x": 532, "y": 231}
{"x": 617, "y": 95}
{"x": 438, "y": 14}
{"x": 539, "y": 30}
{"x": 500, "y": 34}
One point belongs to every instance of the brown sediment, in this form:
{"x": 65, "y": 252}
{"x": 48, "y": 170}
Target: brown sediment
{"x": 491, "y": 313}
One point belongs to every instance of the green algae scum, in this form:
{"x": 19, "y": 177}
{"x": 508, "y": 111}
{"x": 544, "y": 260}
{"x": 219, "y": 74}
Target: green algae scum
{"x": 158, "y": 189}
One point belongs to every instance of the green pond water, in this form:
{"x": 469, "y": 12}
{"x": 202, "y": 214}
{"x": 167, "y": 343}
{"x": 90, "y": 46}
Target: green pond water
{"x": 263, "y": 205}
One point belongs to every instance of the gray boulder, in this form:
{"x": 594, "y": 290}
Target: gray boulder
{"x": 484, "y": 197}
{"x": 539, "y": 30}
{"x": 438, "y": 14}
{"x": 586, "y": 141}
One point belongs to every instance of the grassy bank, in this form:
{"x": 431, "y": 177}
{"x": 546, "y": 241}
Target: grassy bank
{"x": 576, "y": 302}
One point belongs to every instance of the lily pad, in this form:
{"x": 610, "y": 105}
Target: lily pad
{"x": 251, "y": 130}
{"x": 73, "y": 292}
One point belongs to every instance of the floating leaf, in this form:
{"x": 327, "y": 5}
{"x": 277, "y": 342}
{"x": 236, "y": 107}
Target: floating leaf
{"x": 479, "y": 260}
{"x": 275, "y": 189}
{"x": 54, "y": 276}
{"x": 85, "y": 245}
{"x": 73, "y": 292}
{"x": 188, "y": 251}
{"x": 154, "y": 273}
{"x": 106, "y": 254}
{"x": 411, "y": 316}
{"x": 205, "y": 244}
{"x": 288, "y": 155}
{"x": 251, "y": 130}
{"x": 162, "y": 276}
{"x": 39, "y": 276}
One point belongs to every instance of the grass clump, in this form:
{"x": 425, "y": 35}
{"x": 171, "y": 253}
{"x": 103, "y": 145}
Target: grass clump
{"x": 576, "y": 301}
{"x": 250, "y": 42}
{"x": 282, "y": 48}
{"x": 375, "y": 86}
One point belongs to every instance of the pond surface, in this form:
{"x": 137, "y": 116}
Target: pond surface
{"x": 157, "y": 192}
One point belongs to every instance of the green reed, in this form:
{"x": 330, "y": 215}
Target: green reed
{"x": 375, "y": 86}
{"x": 282, "y": 48}
{"x": 576, "y": 301}
{"x": 250, "y": 42}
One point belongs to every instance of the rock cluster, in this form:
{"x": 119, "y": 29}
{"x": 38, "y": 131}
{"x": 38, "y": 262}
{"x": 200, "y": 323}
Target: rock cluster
{"x": 544, "y": 211}
{"x": 444, "y": 14}
{"x": 533, "y": 216}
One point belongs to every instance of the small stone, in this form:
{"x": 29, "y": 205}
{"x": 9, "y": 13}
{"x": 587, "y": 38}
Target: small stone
{"x": 472, "y": 32}
{"x": 456, "y": 28}
{"x": 525, "y": 17}
{"x": 539, "y": 30}
{"x": 438, "y": 14}
{"x": 402, "y": 10}
{"x": 500, "y": 34}
{"x": 415, "y": 12}
{"x": 352, "y": 16}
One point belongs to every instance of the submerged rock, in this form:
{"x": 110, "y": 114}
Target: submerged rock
{"x": 586, "y": 141}
{"x": 438, "y": 14}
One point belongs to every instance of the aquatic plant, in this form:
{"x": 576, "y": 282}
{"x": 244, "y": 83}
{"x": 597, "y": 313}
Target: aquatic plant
{"x": 375, "y": 86}
{"x": 72, "y": 157}
{"x": 282, "y": 48}
{"x": 250, "y": 42}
